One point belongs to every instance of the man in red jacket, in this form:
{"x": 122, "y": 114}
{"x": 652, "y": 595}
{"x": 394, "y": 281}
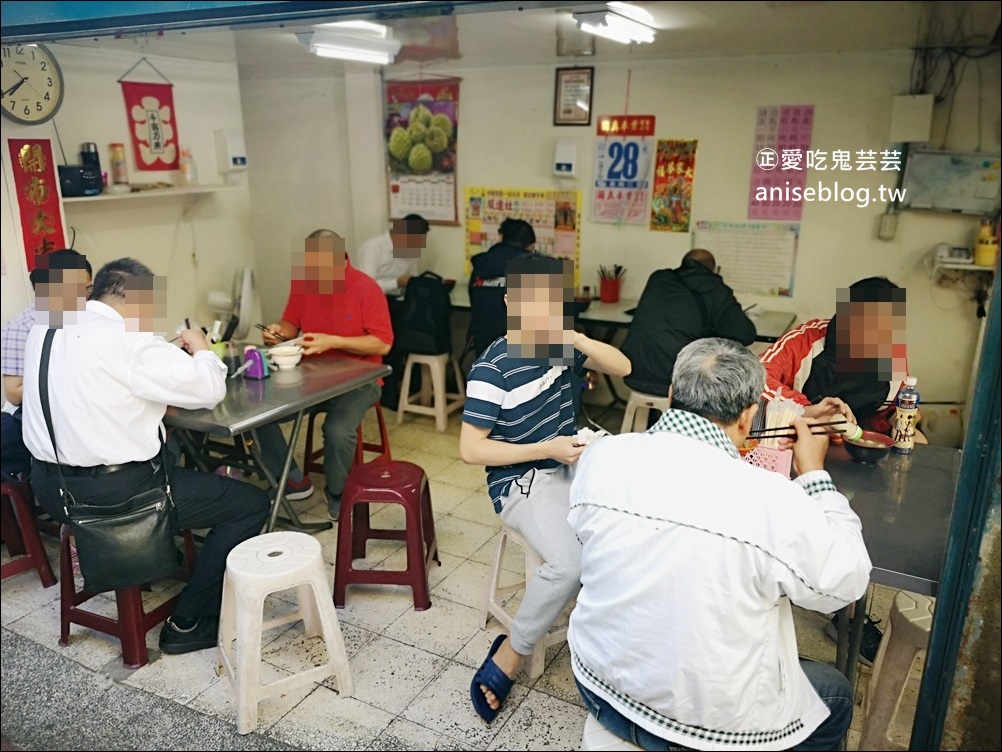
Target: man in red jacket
{"x": 853, "y": 365}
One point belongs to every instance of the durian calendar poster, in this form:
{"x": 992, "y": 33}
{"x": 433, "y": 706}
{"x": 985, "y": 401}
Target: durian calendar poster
{"x": 555, "y": 217}
{"x": 422, "y": 123}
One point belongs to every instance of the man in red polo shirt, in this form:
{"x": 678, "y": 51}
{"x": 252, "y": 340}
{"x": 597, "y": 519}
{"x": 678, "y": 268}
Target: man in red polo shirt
{"x": 339, "y": 311}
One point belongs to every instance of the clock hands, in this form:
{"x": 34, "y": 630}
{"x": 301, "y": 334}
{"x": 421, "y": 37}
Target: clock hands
{"x": 15, "y": 87}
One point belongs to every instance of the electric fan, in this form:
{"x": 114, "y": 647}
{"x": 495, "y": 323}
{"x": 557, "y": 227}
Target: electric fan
{"x": 236, "y": 308}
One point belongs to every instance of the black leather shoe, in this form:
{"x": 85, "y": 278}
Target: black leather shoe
{"x": 202, "y": 636}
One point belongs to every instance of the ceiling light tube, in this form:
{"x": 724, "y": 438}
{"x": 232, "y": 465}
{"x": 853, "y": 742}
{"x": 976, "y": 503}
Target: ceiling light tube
{"x": 349, "y": 53}
{"x": 605, "y": 23}
{"x": 367, "y": 50}
{"x": 363, "y": 27}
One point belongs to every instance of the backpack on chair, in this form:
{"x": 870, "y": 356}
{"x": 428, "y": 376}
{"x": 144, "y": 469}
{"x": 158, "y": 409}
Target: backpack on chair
{"x": 425, "y": 325}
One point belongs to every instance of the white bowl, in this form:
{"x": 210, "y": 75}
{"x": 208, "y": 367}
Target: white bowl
{"x": 285, "y": 350}
{"x": 286, "y": 356}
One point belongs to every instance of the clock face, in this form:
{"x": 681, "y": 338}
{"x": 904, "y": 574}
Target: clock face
{"x": 32, "y": 84}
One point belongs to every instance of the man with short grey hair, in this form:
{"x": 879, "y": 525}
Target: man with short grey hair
{"x": 683, "y": 636}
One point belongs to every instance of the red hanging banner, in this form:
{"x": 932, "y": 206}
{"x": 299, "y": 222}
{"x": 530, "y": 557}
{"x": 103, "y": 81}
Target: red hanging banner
{"x": 152, "y": 124}
{"x": 674, "y": 171}
{"x": 36, "y": 186}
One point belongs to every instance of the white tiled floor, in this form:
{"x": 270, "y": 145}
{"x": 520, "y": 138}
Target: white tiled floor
{"x": 411, "y": 669}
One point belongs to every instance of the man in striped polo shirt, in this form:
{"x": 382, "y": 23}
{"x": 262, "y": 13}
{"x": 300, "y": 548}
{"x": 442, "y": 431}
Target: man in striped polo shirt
{"x": 519, "y": 421}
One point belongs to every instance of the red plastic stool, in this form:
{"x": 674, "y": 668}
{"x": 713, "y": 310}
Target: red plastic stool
{"x": 313, "y": 461}
{"x": 395, "y": 483}
{"x": 21, "y": 534}
{"x": 132, "y": 623}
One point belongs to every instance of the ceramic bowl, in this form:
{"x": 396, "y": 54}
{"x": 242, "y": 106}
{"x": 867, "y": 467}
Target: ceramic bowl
{"x": 286, "y": 356}
{"x": 870, "y": 447}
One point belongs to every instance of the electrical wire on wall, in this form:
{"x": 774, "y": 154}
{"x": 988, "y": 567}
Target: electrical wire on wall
{"x": 942, "y": 56}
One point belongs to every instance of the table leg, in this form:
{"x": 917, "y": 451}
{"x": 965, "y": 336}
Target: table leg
{"x": 850, "y": 638}
{"x": 192, "y": 451}
{"x": 278, "y": 484}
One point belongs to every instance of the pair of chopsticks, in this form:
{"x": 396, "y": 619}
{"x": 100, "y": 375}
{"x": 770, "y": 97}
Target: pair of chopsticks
{"x": 777, "y": 432}
{"x": 283, "y": 340}
{"x": 263, "y": 328}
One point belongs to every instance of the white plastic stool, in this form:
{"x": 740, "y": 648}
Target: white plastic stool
{"x": 906, "y": 636}
{"x": 598, "y": 737}
{"x": 637, "y": 409}
{"x": 434, "y": 399}
{"x": 536, "y": 663}
{"x": 254, "y": 569}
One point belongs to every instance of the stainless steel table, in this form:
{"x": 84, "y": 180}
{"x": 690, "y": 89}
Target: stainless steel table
{"x": 249, "y": 404}
{"x": 904, "y": 503}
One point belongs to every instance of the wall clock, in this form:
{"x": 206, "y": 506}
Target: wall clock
{"x": 32, "y": 83}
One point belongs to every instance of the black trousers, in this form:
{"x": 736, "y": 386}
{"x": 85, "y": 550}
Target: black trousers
{"x": 232, "y": 510}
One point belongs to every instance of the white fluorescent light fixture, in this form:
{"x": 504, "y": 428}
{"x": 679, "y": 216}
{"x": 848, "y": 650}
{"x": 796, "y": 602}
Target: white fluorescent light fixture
{"x": 363, "y": 27}
{"x": 341, "y": 43}
{"x": 622, "y": 23}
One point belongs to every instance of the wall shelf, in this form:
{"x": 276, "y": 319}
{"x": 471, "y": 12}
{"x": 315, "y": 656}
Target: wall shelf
{"x": 939, "y": 270}
{"x": 194, "y": 190}
{"x": 963, "y": 267}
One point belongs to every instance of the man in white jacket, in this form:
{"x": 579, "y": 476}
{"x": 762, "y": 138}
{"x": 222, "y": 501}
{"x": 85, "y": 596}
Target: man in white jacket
{"x": 683, "y": 636}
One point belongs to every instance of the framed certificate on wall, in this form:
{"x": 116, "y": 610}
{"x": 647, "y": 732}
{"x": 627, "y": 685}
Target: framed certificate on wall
{"x": 572, "y": 98}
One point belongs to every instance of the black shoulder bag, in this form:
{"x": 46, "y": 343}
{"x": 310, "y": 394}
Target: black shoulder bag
{"x": 119, "y": 545}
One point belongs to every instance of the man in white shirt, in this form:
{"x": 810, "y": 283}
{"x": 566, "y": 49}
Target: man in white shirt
{"x": 682, "y": 635}
{"x": 67, "y": 278}
{"x": 110, "y": 382}
{"x": 392, "y": 258}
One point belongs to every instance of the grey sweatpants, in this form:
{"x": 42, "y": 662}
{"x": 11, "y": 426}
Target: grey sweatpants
{"x": 536, "y": 507}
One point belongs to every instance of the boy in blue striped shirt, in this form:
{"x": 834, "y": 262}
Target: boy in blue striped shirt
{"x": 519, "y": 421}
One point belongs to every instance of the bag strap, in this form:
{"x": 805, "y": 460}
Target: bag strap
{"x": 43, "y": 393}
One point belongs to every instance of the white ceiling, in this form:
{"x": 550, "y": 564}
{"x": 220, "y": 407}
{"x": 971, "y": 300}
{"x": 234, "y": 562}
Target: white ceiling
{"x": 685, "y": 29}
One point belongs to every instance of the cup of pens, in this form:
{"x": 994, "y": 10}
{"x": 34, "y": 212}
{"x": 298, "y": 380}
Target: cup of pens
{"x": 609, "y": 283}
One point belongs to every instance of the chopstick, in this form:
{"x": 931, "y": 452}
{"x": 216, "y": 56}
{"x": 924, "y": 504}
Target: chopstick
{"x": 288, "y": 342}
{"x": 263, "y": 328}
{"x": 786, "y": 435}
{"x": 770, "y": 432}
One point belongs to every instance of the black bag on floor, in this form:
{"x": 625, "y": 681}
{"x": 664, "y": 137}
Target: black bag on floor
{"x": 118, "y": 545}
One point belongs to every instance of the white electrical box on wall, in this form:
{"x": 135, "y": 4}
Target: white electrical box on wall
{"x": 565, "y": 158}
{"x": 911, "y": 118}
{"x": 231, "y": 154}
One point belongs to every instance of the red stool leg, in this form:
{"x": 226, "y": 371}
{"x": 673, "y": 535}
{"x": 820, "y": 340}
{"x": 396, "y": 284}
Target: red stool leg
{"x": 313, "y": 460}
{"x": 21, "y": 529}
{"x": 360, "y": 530}
{"x": 417, "y": 569}
{"x": 132, "y": 629}
{"x": 11, "y": 531}
{"x": 343, "y": 557}
{"x": 428, "y": 524}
